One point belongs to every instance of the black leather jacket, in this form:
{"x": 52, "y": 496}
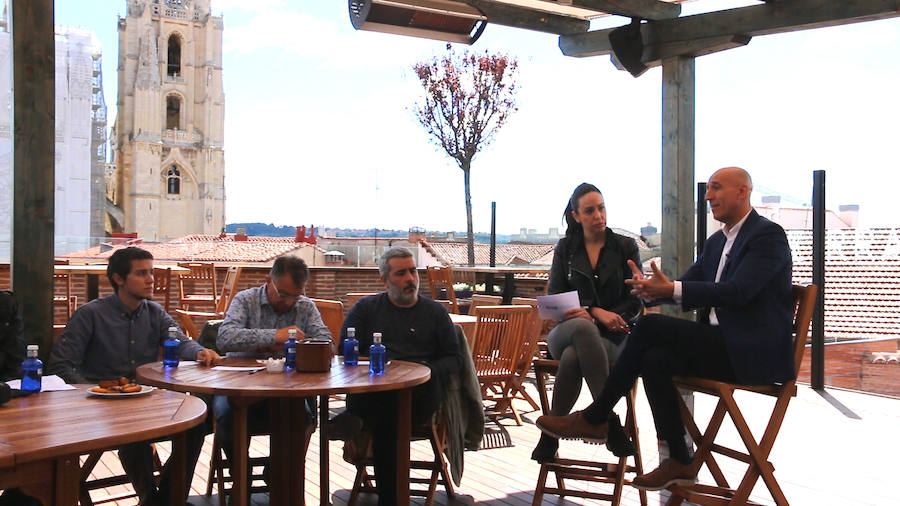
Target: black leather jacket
{"x": 603, "y": 287}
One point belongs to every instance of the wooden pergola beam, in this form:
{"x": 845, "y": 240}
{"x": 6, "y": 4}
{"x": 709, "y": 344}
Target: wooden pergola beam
{"x": 529, "y": 19}
{"x": 765, "y": 19}
{"x": 644, "y": 9}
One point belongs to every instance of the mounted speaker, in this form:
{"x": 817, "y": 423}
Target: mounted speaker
{"x": 429, "y": 19}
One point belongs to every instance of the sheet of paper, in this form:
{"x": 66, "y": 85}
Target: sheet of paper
{"x": 50, "y": 383}
{"x": 553, "y": 307}
{"x": 236, "y": 368}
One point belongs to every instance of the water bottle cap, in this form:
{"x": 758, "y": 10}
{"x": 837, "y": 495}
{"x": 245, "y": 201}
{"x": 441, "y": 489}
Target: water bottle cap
{"x": 292, "y": 333}
{"x": 351, "y": 331}
{"x": 376, "y": 337}
{"x": 173, "y": 329}
{"x": 31, "y": 347}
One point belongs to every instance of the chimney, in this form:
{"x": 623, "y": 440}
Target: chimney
{"x": 416, "y": 234}
{"x": 849, "y": 214}
{"x": 240, "y": 234}
{"x": 122, "y": 237}
{"x": 300, "y": 236}
{"x": 312, "y": 235}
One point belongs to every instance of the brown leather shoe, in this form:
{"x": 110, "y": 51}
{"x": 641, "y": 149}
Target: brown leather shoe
{"x": 670, "y": 472}
{"x": 572, "y": 426}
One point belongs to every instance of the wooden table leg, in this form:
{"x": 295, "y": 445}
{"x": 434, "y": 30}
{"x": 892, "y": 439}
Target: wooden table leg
{"x": 324, "y": 477}
{"x": 287, "y": 455}
{"x": 239, "y": 485}
{"x": 176, "y": 465}
{"x": 404, "y": 426}
{"x": 68, "y": 480}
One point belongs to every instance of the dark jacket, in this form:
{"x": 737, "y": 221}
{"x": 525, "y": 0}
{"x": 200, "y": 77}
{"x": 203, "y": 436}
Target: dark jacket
{"x": 753, "y": 299}
{"x": 12, "y": 338}
{"x": 603, "y": 287}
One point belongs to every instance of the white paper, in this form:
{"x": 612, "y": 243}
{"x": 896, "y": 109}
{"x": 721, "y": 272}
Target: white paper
{"x": 50, "y": 383}
{"x": 236, "y": 368}
{"x": 554, "y": 307}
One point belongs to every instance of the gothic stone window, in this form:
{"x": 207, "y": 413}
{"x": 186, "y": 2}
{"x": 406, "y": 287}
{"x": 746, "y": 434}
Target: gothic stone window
{"x": 174, "y": 62}
{"x": 173, "y": 181}
{"x": 173, "y": 112}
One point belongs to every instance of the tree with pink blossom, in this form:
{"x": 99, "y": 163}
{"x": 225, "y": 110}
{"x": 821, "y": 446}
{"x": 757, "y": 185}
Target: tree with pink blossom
{"x": 466, "y": 98}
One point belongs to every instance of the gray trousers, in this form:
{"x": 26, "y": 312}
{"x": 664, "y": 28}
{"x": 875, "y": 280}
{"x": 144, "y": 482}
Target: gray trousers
{"x": 583, "y": 353}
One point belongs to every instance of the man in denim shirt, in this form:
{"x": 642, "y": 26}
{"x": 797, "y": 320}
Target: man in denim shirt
{"x": 257, "y": 325}
{"x": 109, "y": 338}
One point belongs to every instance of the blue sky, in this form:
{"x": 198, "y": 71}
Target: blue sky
{"x": 319, "y": 128}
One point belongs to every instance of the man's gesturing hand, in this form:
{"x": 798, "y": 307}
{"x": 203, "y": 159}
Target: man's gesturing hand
{"x": 656, "y": 286}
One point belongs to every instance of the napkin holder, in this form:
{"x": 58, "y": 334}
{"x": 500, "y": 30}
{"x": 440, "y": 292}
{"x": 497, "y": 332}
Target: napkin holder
{"x": 313, "y": 356}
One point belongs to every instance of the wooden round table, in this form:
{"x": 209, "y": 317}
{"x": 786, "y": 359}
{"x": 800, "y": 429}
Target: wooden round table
{"x": 288, "y": 428}
{"x": 43, "y": 435}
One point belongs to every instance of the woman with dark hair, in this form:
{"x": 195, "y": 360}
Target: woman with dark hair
{"x": 592, "y": 260}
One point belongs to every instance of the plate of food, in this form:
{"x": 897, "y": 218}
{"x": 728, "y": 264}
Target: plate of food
{"x": 122, "y": 387}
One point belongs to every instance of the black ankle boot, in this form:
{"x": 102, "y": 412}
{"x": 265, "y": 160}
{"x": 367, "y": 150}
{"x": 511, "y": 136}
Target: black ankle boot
{"x": 617, "y": 441}
{"x": 545, "y": 451}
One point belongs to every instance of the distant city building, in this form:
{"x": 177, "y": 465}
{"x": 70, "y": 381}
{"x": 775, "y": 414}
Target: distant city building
{"x": 169, "y": 132}
{"x": 530, "y": 235}
{"x": 80, "y": 149}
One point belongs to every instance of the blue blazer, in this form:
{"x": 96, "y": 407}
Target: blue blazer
{"x": 753, "y": 299}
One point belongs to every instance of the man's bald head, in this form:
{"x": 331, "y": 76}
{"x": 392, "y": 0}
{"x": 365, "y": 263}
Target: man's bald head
{"x": 728, "y": 193}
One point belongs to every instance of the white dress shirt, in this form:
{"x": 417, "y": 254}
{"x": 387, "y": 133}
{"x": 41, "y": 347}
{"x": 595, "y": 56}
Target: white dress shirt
{"x": 730, "y": 235}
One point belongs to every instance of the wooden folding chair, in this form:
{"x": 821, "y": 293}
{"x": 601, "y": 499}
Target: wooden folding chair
{"x": 496, "y": 348}
{"x": 223, "y": 301}
{"x": 618, "y": 473}
{"x": 529, "y": 352}
{"x": 332, "y": 312}
{"x": 162, "y": 281}
{"x": 436, "y": 435}
{"x": 355, "y": 296}
{"x": 442, "y": 277}
{"x": 757, "y": 452}
{"x": 480, "y": 299}
{"x": 197, "y": 287}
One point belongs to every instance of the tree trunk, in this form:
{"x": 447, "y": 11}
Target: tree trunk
{"x": 470, "y": 236}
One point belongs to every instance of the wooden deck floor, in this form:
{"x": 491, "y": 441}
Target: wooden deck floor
{"x": 839, "y": 448}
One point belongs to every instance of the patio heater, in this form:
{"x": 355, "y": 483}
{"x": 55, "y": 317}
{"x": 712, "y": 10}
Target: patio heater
{"x": 429, "y": 19}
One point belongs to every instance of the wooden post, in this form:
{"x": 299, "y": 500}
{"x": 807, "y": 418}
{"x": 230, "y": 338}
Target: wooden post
{"x": 34, "y": 102}
{"x": 677, "y": 249}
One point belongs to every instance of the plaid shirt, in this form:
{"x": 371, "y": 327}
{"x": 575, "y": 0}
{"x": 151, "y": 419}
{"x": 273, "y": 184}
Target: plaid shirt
{"x": 251, "y": 322}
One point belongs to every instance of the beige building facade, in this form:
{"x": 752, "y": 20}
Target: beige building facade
{"x": 169, "y": 177}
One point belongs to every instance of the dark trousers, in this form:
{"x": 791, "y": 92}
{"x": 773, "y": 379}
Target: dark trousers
{"x": 137, "y": 461}
{"x": 659, "y": 348}
{"x": 379, "y": 413}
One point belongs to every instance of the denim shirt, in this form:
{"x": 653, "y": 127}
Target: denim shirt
{"x": 251, "y": 322}
{"x": 104, "y": 340}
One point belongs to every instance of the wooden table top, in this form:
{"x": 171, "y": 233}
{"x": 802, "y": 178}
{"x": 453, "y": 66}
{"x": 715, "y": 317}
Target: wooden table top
{"x": 341, "y": 379}
{"x": 462, "y": 319}
{"x": 52, "y": 424}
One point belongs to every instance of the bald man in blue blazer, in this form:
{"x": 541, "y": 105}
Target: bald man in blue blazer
{"x": 741, "y": 287}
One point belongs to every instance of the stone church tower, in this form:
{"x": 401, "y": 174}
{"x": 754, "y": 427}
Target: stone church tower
{"x": 169, "y": 176}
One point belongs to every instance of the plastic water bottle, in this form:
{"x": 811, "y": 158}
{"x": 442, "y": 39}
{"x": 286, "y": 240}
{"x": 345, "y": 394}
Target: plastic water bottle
{"x": 171, "y": 348}
{"x": 32, "y": 370}
{"x": 376, "y": 355}
{"x": 351, "y": 347}
{"x": 290, "y": 351}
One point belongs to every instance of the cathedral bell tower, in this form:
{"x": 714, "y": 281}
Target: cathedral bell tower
{"x": 170, "y": 164}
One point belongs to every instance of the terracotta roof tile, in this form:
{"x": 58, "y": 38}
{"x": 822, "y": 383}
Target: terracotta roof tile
{"x": 455, "y": 253}
{"x": 206, "y": 248}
